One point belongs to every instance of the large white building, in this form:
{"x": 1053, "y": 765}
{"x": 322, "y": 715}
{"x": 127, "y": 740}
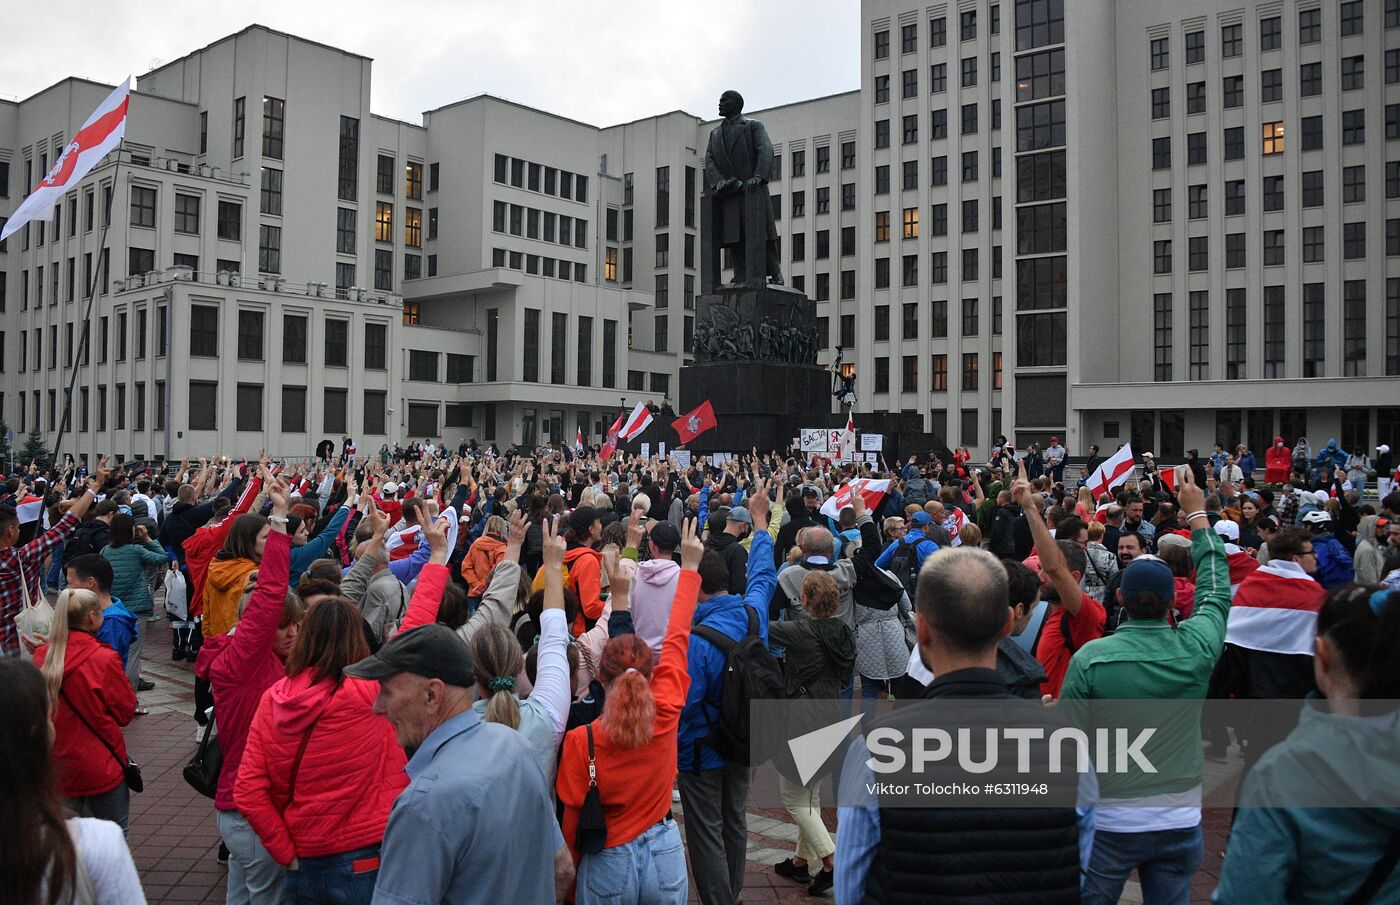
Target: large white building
{"x": 1101, "y": 220}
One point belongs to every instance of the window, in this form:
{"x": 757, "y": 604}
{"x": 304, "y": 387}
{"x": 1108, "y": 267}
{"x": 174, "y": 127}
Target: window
{"x": 1195, "y": 148}
{"x": 1162, "y": 205}
{"x": 1353, "y": 73}
{"x": 1314, "y": 238}
{"x": 413, "y": 266}
{"x": 911, "y": 221}
{"x": 1270, "y": 33}
{"x": 969, "y": 119}
{"x": 383, "y": 269}
{"x": 271, "y": 198}
{"x": 1195, "y": 97}
{"x": 938, "y": 171}
{"x": 1161, "y": 153}
{"x": 384, "y": 173}
{"x": 1195, "y": 47}
{"x": 799, "y": 200}
{"x": 938, "y": 220}
{"x": 1199, "y": 311}
{"x": 1162, "y": 336}
{"x": 882, "y": 375}
{"x": 348, "y": 176}
{"x": 1040, "y": 229}
{"x": 1353, "y": 184}
{"x": 1353, "y": 18}
{"x": 1310, "y": 79}
{"x": 1161, "y": 103}
{"x": 376, "y": 347}
{"x": 1273, "y": 193}
{"x": 909, "y": 376}
{"x": 938, "y": 268}
{"x": 1041, "y": 340}
{"x": 882, "y": 44}
{"x": 1392, "y": 70}
{"x": 882, "y": 133}
{"x": 337, "y": 342}
{"x": 911, "y": 175}
{"x": 1273, "y": 138}
{"x": 269, "y": 249}
{"x": 1353, "y": 127}
{"x": 187, "y": 214}
{"x": 969, "y": 317}
{"x": 530, "y": 359}
{"x": 204, "y": 333}
{"x": 882, "y": 323}
{"x": 1312, "y": 187}
{"x": 203, "y": 414}
{"x": 1354, "y": 328}
{"x": 1311, "y": 128}
{"x": 663, "y": 197}
{"x": 239, "y": 121}
{"x": 1198, "y": 253}
{"x": 969, "y": 372}
{"x": 139, "y": 261}
{"x": 384, "y": 220}
{"x": 1392, "y": 238}
{"x": 1270, "y": 85}
{"x": 969, "y": 166}
{"x": 274, "y": 121}
{"x": 938, "y": 124}
{"x": 1273, "y": 331}
{"x": 969, "y": 72}
{"x": 250, "y": 335}
{"x": 848, "y": 155}
{"x": 1273, "y": 247}
{"x": 1234, "y": 334}
{"x": 908, "y": 35}
{"x": 413, "y": 227}
{"x": 294, "y": 339}
{"x": 1231, "y": 41}
{"x": 799, "y": 163}
{"x": 517, "y": 175}
{"x": 968, "y": 22}
{"x": 1162, "y": 256}
{"x": 1314, "y": 320}
{"x": 1234, "y": 143}
{"x": 848, "y": 196}
{"x": 1353, "y": 241}
{"x": 333, "y": 413}
{"x": 1159, "y": 53}
{"x": 143, "y": 206}
{"x": 911, "y": 270}
{"x": 911, "y": 129}
{"x": 413, "y": 181}
{"x": 910, "y": 87}
{"x": 1197, "y": 202}
{"x": 823, "y": 243}
{"x": 1392, "y": 327}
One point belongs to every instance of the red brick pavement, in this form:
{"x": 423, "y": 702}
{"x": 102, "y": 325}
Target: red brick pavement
{"x": 174, "y": 840}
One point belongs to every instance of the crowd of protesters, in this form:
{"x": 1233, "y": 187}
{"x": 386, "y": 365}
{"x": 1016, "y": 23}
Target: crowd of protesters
{"x": 457, "y": 676}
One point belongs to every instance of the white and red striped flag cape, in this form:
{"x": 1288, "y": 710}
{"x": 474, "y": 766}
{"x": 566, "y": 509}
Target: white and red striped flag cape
{"x": 1275, "y": 610}
{"x": 871, "y": 491}
{"x": 402, "y": 543}
{"x": 1116, "y": 469}
{"x": 953, "y": 521}
{"x": 101, "y": 133}
{"x": 29, "y": 509}
{"x": 636, "y": 422}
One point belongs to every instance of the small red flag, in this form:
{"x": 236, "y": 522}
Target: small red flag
{"x": 693, "y": 424}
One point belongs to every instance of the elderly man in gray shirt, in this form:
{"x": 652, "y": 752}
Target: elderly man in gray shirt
{"x": 476, "y": 823}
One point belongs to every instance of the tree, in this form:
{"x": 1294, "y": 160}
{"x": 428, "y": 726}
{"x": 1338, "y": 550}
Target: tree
{"x": 34, "y": 450}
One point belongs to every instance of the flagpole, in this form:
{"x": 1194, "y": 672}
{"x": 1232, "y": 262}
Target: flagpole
{"x": 97, "y": 272}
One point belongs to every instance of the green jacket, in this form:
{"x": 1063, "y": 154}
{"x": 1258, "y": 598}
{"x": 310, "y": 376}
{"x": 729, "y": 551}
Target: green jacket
{"x": 1152, "y": 660}
{"x": 818, "y": 657}
{"x": 129, "y": 563}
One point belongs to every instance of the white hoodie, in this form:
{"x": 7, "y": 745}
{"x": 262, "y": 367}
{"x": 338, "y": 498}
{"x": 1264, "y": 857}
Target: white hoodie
{"x": 653, "y": 590}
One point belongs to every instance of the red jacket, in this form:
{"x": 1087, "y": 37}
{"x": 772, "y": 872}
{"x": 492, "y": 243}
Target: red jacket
{"x": 240, "y": 666}
{"x": 208, "y": 540}
{"x": 352, "y": 770}
{"x": 95, "y": 683}
{"x": 1278, "y": 461}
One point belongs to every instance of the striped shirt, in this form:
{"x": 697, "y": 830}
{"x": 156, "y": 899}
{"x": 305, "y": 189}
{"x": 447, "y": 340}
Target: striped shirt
{"x": 23, "y": 564}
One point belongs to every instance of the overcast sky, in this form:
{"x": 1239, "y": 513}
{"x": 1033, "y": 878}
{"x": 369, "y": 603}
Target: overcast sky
{"x": 599, "y": 62}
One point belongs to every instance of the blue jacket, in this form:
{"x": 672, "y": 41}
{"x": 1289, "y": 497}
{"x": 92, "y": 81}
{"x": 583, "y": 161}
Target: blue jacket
{"x": 1332, "y": 455}
{"x": 118, "y": 628}
{"x": 923, "y": 547}
{"x": 1334, "y": 565}
{"x": 729, "y": 614}
{"x": 1246, "y": 463}
{"x": 314, "y": 549}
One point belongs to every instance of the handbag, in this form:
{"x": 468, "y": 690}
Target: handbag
{"x": 592, "y": 834}
{"x": 33, "y": 618}
{"x": 202, "y": 772}
{"x": 131, "y": 771}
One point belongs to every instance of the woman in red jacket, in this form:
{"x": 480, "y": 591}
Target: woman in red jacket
{"x": 634, "y": 752}
{"x": 321, "y": 770}
{"x": 239, "y": 667}
{"x": 92, "y": 700}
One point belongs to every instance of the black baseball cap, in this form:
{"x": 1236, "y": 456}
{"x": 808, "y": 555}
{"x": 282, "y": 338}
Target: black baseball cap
{"x": 665, "y": 536}
{"x": 432, "y": 651}
{"x": 582, "y": 518}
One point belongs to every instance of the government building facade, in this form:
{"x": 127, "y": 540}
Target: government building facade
{"x": 1105, "y": 221}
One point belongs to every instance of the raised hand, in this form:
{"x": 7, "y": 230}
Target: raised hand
{"x": 692, "y": 548}
{"x": 759, "y": 505}
{"x": 1021, "y": 487}
{"x": 436, "y": 533}
{"x": 515, "y": 538}
{"x": 1189, "y": 493}
{"x": 619, "y": 579}
{"x": 554, "y": 546}
{"x": 634, "y": 530}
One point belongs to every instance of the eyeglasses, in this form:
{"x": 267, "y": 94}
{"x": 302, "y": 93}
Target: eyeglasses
{"x": 1308, "y": 552}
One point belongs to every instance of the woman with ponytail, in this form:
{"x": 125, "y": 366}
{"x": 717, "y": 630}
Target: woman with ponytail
{"x": 1319, "y": 818}
{"x": 49, "y": 860}
{"x": 633, "y": 753}
{"x": 91, "y": 701}
{"x": 500, "y": 661}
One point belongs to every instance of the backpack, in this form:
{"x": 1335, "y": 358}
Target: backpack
{"x": 81, "y": 543}
{"x": 904, "y": 563}
{"x": 751, "y": 673}
{"x": 916, "y": 491}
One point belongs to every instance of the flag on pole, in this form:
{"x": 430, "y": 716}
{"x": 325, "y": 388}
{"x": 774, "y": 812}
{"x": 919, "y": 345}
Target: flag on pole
{"x": 610, "y": 444}
{"x": 846, "y": 444}
{"x": 871, "y": 491}
{"x": 578, "y": 439}
{"x": 636, "y": 422}
{"x": 1168, "y": 479}
{"x": 101, "y": 133}
{"x": 1116, "y": 469}
{"x": 693, "y": 424}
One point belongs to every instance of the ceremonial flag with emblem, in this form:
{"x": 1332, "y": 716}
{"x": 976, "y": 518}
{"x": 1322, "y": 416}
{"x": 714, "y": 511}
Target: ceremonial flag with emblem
{"x": 610, "y": 444}
{"x": 101, "y": 133}
{"x": 694, "y": 423}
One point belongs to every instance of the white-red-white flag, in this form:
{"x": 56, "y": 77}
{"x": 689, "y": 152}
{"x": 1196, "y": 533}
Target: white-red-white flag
{"x": 846, "y": 444}
{"x": 1116, "y": 469}
{"x": 578, "y": 440}
{"x": 101, "y": 133}
{"x": 29, "y": 509}
{"x": 1275, "y": 610}
{"x": 871, "y": 491}
{"x": 636, "y": 422}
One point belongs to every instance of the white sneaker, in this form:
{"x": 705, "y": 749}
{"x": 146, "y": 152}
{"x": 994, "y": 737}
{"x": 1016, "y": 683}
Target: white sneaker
{"x": 676, "y": 796}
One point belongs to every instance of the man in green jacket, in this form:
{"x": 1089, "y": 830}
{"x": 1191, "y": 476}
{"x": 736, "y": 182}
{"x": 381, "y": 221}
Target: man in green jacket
{"x": 1153, "y": 822}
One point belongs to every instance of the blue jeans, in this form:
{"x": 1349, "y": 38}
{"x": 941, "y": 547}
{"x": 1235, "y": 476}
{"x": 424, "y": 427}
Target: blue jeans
{"x": 1166, "y": 862}
{"x": 254, "y": 877}
{"x": 54, "y": 578}
{"x": 649, "y": 870}
{"x": 334, "y": 879}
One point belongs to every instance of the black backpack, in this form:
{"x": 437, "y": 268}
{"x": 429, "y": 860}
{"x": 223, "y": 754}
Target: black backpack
{"x": 904, "y": 563}
{"x": 751, "y": 673}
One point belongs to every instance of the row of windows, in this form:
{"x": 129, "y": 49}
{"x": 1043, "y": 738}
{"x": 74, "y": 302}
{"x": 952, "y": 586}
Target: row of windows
{"x": 798, "y": 159}
{"x": 384, "y": 226}
{"x": 523, "y": 174}
{"x": 1312, "y": 193}
{"x": 532, "y": 223}
{"x": 205, "y": 342}
{"x": 937, "y": 79}
{"x": 1273, "y": 247}
{"x": 909, "y": 175}
{"x": 31, "y": 416}
{"x": 938, "y": 31}
{"x": 1275, "y": 332}
{"x": 1352, "y": 78}
{"x": 107, "y": 339}
{"x": 248, "y": 408}
{"x": 938, "y": 373}
{"x": 914, "y": 325}
{"x": 938, "y": 125}
{"x": 530, "y": 360}
{"x": 1351, "y": 17}
{"x": 538, "y": 264}
{"x": 1271, "y": 140}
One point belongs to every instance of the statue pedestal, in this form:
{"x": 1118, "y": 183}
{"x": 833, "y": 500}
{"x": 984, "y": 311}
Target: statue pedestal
{"x": 755, "y": 361}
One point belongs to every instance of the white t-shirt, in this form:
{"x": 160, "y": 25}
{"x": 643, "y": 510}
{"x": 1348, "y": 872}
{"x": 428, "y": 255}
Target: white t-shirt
{"x": 104, "y": 855}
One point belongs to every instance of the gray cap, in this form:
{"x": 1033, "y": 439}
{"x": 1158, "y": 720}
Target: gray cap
{"x": 740, "y": 514}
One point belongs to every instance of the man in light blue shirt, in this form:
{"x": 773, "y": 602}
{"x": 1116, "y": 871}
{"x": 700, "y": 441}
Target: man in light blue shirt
{"x": 476, "y": 823}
